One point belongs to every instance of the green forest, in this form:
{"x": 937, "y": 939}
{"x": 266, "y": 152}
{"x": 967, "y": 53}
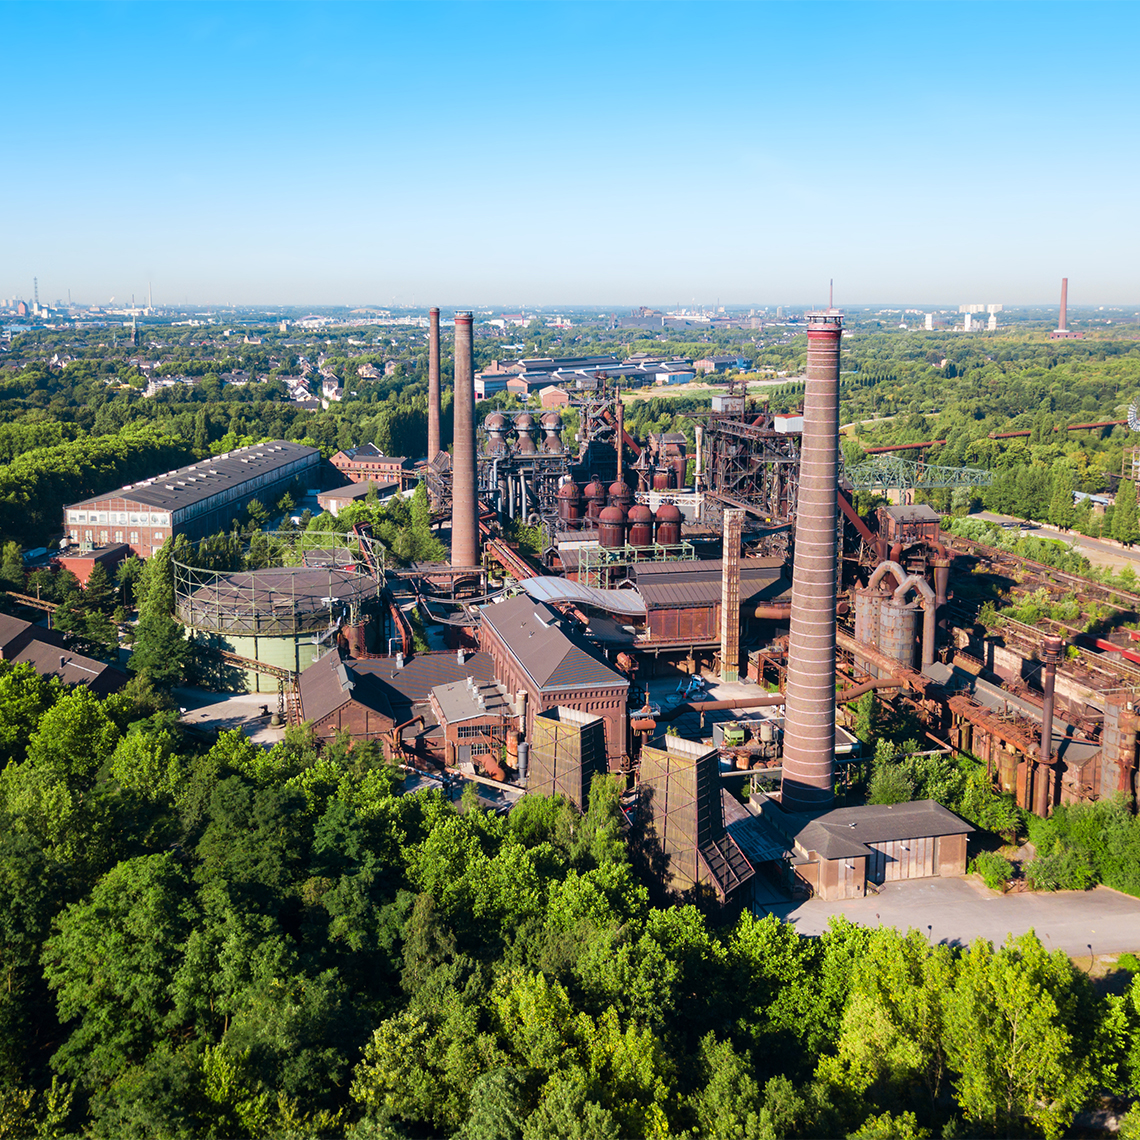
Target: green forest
{"x": 217, "y": 940}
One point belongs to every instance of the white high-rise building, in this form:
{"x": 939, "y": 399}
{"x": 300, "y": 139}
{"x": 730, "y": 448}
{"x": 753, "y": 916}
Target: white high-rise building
{"x": 929, "y": 322}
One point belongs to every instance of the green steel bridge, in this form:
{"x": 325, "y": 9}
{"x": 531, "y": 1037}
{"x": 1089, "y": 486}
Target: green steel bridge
{"x": 893, "y": 473}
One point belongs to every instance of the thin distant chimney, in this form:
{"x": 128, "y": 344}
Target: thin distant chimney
{"x": 434, "y": 446}
{"x": 1064, "y": 323}
{"x": 465, "y": 481}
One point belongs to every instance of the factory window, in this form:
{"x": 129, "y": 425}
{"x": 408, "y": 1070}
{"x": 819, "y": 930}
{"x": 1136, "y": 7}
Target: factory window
{"x": 89, "y": 535}
{"x": 118, "y": 536}
{"x": 134, "y": 537}
{"x": 158, "y": 536}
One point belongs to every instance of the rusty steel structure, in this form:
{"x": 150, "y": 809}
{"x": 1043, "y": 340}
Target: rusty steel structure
{"x": 809, "y": 746}
{"x": 435, "y": 443}
{"x": 464, "y": 501}
{"x": 730, "y": 597}
{"x": 1051, "y": 650}
{"x": 750, "y": 466}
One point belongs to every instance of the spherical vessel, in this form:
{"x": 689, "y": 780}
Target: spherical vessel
{"x": 620, "y": 495}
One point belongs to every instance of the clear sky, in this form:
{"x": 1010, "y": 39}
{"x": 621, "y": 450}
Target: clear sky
{"x": 598, "y": 153}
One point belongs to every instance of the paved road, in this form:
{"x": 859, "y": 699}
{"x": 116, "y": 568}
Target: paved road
{"x": 1097, "y": 552}
{"x": 956, "y": 911}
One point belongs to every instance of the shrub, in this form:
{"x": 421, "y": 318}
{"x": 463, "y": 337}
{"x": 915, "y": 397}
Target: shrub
{"x": 995, "y": 870}
{"x": 1129, "y": 962}
{"x": 1063, "y": 869}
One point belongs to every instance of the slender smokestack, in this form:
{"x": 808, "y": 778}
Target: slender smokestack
{"x": 619, "y": 411}
{"x": 1051, "y": 649}
{"x": 809, "y": 741}
{"x": 1064, "y": 323}
{"x": 730, "y": 597}
{"x": 435, "y": 445}
{"x": 464, "y": 486}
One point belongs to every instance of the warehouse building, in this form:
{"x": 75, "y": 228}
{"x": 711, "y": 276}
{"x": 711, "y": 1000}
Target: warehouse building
{"x": 197, "y": 500}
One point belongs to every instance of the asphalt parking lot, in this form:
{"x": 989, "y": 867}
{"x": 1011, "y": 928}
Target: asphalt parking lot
{"x": 957, "y": 911}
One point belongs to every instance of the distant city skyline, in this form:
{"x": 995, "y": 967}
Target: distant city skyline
{"x": 581, "y": 154}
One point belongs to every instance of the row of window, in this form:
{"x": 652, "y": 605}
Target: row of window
{"x": 105, "y": 536}
{"x": 123, "y": 518}
{"x": 467, "y": 731}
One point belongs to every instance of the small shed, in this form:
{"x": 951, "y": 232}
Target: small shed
{"x": 918, "y": 522}
{"x": 840, "y": 851}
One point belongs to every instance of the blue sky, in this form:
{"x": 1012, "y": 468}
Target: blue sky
{"x": 528, "y": 154}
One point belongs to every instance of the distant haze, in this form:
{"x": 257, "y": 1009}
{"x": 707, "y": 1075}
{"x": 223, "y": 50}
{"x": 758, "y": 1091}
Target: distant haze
{"x": 576, "y": 154}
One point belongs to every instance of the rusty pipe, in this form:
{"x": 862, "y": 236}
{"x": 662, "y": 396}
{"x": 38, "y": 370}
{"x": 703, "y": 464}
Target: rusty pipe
{"x": 886, "y": 567}
{"x": 619, "y": 411}
{"x": 867, "y": 653}
{"x": 1051, "y": 648}
{"x": 857, "y": 691}
{"x": 766, "y": 701}
{"x": 773, "y": 611}
{"x": 940, "y": 564}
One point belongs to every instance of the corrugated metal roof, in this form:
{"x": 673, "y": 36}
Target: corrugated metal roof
{"x": 677, "y": 584}
{"x": 209, "y": 477}
{"x": 556, "y": 590}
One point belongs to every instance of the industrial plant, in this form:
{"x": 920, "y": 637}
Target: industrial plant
{"x": 730, "y": 554}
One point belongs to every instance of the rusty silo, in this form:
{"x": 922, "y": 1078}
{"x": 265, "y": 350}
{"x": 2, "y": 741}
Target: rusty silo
{"x": 611, "y": 527}
{"x": 568, "y": 499}
{"x": 464, "y": 505}
{"x": 809, "y": 739}
{"x": 668, "y": 524}
{"x": 640, "y": 525}
{"x": 434, "y": 445}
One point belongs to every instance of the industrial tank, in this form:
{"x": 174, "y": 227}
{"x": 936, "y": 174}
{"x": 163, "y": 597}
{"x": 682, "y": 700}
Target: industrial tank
{"x": 611, "y": 527}
{"x": 595, "y": 498}
{"x": 496, "y": 425}
{"x": 680, "y": 469}
{"x": 867, "y": 606}
{"x": 621, "y": 495}
{"x": 640, "y": 525}
{"x": 552, "y": 425}
{"x": 668, "y": 524}
{"x": 663, "y": 479}
{"x": 524, "y": 426}
{"x": 898, "y": 629}
{"x": 568, "y": 502}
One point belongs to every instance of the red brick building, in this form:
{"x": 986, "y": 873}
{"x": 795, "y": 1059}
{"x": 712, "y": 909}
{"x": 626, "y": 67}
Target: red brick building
{"x": 532, "y": 654}
{"x": 368, "y": 462}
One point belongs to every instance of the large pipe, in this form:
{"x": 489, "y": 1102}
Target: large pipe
{"x": 435, "y": 445}
{"x": 698, "y": 472}
{"x": 1051, "y": 648}
{"x": 871, "y": 654}
{"x": 940, "y": 564}
{"x": 1064, "y": 324}
{"x": 881, "y": 571}
{"x": 929, "y": 608}
{"x": 809, "y": 748}
{"x": 464, "y": 504}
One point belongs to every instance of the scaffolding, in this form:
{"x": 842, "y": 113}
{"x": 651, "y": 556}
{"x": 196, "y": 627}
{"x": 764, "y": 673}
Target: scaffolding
{"x": 751, "y": 466}
{"x": 320, "y": 581}
{"x": 597, "y": 563}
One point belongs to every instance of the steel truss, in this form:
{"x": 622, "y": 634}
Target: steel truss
{"x": 893, "y": 473}
{"x": 752, "y": 466}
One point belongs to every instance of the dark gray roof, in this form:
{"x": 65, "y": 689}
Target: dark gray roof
{"x": 208, "y": 477}
{"x": 845, "y": 832}
{"x": 359, "y": 490}
{"x": 369, "y": 453}
{"x": 411, "y": 685}
{"x": 675, "y": 584}
{"x": 457, "y": 702}
{"x": 47, "y": 652}
{"x": 330, "y": 683}
{"x": 550, "y": 657}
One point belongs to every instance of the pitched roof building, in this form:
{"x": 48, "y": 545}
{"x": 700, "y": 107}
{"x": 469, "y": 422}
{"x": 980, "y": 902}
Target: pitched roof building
{"x": 47, "y": 652}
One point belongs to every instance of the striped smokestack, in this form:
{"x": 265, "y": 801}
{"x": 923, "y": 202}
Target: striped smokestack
{"x": 464, "y": 508}
{"x": 434, "y": 442}
{"x": 809, "y": 727}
